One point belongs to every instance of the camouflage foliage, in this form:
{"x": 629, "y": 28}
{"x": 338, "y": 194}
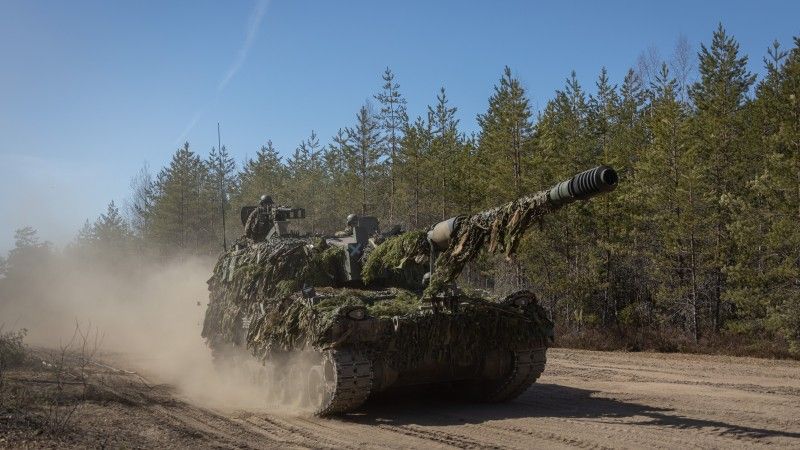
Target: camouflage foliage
{"x": 257, "y": 301}
{"x": 403, "y": 260}
{"x": 262, "y": 273}
{"x": 497, "y": 230}
{"x": 405, "y": 333}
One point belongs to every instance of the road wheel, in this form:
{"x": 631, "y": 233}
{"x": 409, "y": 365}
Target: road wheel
{"x": 526, "y": 367}
{"x": 340, "y": 383}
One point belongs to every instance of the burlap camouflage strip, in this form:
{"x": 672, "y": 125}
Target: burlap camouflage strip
{"x": 498, "y": 230}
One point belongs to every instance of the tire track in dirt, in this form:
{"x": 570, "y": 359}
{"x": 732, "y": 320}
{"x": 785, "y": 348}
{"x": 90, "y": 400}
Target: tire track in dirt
{"x": 492, "y": 434}
{"x": 637, "y": 375}
{"x": 724, "y": 401}
{"x": 439, "y": 437}
{"x": 297, "y": 434}
{"x": 583, "y": 400}
{"x": 552, "y": 429}
{"x": 217, "y": 431}
{"x": 597, "y": 400}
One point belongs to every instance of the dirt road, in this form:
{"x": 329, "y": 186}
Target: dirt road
{"x": 584, "y": 399}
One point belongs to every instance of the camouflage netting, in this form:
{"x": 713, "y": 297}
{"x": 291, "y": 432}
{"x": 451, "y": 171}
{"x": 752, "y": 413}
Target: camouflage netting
{"x": 262, "y": 281}
{"x": 263, "y": 273}
{"x": 295, "y": 322}
{"x": 257, "y": 295}
{"x": 498, "y": 230}
{"x": 478, "y": 327}
{"x": 405, "y": 334}
{"x": 256, "y": 299}
{"x": 401, "y": 260}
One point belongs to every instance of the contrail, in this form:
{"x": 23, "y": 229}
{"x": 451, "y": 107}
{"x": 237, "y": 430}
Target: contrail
{"x": 189, "y": 126}
{"x": 250, "y": 36}
{"x": 253, "y": 24}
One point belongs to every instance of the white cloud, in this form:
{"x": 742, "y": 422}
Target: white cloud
{"x": 188, "y": 127}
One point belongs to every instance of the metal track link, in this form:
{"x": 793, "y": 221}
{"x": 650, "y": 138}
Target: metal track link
{"x": 528, "y": 366}
{"x": 351, "y": 382}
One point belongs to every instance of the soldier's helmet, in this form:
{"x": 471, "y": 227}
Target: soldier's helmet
{"x": 265, "y": 200}
{"x": 352, "y": 219}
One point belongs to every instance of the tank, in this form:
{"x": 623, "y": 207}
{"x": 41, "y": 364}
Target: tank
{"x": 378, "y": 311}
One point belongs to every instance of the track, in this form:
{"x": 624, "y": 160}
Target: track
{"x": 583, "y": 399}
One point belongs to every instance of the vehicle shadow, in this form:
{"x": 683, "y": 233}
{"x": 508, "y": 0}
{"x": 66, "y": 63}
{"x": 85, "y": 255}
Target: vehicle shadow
{"x": 541, "y": 400}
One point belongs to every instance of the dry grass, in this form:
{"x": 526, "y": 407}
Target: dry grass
{"x": 673, "y": 341}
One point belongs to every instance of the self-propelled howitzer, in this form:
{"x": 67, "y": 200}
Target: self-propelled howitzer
{"x": 377, "y": 310}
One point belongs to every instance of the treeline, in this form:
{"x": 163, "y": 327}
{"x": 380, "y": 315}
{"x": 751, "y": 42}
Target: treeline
{"x": 700, "y": 243}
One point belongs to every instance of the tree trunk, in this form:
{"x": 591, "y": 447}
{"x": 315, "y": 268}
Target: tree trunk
{"x": 693, "y": 258}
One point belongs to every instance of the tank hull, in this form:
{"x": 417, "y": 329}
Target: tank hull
{"x": 436, "y": 346}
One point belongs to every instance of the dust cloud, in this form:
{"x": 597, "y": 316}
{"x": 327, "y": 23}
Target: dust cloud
{"x": 148, "y": 317}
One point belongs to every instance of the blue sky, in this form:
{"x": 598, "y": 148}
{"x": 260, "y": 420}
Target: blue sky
{"x": 91, "y": 90}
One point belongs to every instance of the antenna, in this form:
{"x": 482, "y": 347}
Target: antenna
{"x": 222, "y": 194}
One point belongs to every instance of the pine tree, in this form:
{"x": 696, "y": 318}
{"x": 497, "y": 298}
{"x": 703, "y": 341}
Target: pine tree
{"x": 606, "y": 123}
{"x": 444, "y": 151}
{"x": 562, "y": 259}
{"x": 620, "y": 146}
{"x": 720, "y": 97}
{"x": 222, "y": 171}
{"x": 413, "y": 166}
{"x": 666, "y": 214}
{"x": 392, "y": 119}
{"x": 108, "y": 241}
{"x": 264, "y": 174}
{"x": 29, "y": 258}
{"x": 767, "y": 262}
{"x": 305, "y": 175}
{"x": 363, "y": 152}
{"x": 140, "y": 204}
{"x": 110, "y": 228}
{"x": 337, "y": 197}
{"x": 25, "y": 238}
{"x": 505, "y": 139}
{"x": 181, "y": 210}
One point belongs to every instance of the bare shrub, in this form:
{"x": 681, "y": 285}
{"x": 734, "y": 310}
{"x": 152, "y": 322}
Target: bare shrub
{"x": 70, "y": 367}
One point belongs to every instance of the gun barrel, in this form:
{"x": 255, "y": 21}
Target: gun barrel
{"x": 456, "y": 241}
{"x": 583, "y": 186}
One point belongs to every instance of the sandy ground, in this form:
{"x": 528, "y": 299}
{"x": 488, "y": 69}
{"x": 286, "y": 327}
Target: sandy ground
{"x": 584, "y": 399}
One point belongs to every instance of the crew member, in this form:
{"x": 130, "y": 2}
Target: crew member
{"x": 352, "y": 221}
{"x": 260, "y": 220}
